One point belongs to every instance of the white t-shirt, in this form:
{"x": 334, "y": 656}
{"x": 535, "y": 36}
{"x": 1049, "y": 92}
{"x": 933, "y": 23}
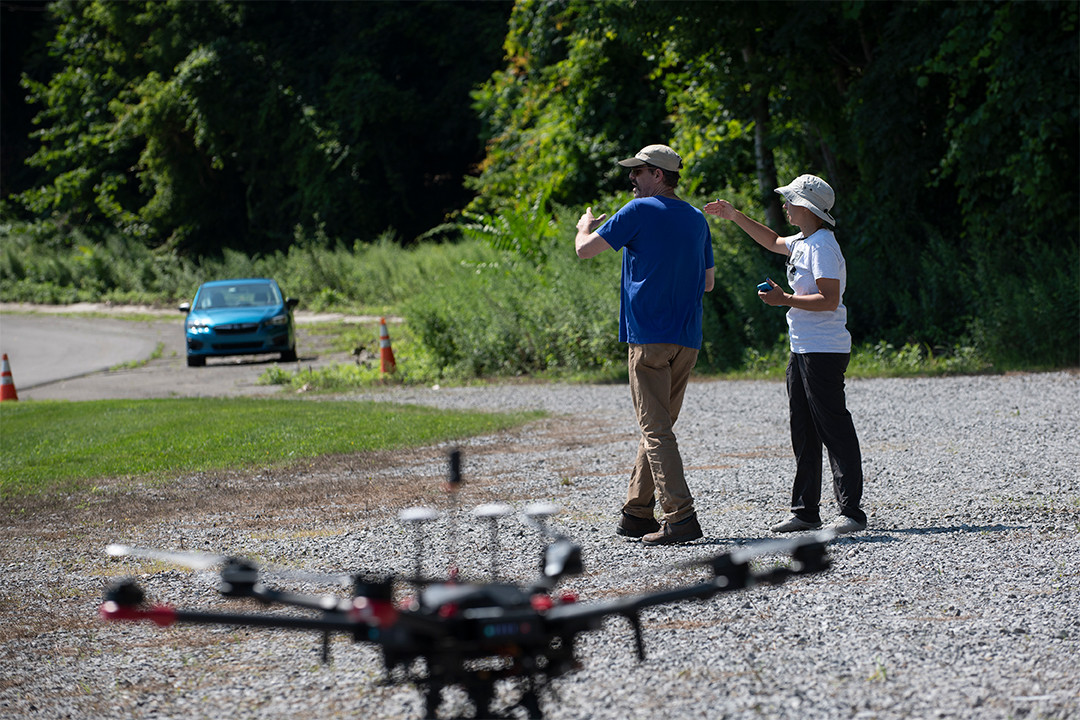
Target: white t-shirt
{"x": 817, "y": 256}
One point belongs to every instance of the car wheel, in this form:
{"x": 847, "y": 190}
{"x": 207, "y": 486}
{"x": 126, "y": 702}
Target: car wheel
{"x": 195, "y": 361}
{"x": 289, "y": 355}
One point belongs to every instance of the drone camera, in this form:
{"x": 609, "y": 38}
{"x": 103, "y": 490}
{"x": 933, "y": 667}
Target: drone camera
{"x": 561, "y": 558}
{"x": 238, "y": 578}
{"x": 373, "y": 587}
{"x": 811, "y": 558}
{"x": 730, "y": 573}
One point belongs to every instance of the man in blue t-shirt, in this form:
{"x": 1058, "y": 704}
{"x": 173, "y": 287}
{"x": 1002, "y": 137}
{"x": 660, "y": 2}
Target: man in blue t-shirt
{"x": 667, "y": 267}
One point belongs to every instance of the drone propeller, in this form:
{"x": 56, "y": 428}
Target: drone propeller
{"x": 235, "y": 571}
{"x": 743, "y": 554}
{"x": 417, "y": 516}
{"x": 775, "y": 547}
{"x": 238, "y": 576}
{"x": 195, "y": 561}
{"x": 491, "y": 512}
{"x": 807, "y": 552}
{"x": 537, "y": 514}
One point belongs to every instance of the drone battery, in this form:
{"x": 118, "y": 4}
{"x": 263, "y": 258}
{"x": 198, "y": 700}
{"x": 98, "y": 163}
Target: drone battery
{"x": 495, "y": 629}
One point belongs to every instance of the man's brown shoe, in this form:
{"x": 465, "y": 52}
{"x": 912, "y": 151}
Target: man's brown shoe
{"x": 672, "y": 533}
{"x": 636, "y": 527}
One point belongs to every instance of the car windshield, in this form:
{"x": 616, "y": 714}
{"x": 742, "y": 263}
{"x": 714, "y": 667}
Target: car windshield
{"x": 237, "y": 296}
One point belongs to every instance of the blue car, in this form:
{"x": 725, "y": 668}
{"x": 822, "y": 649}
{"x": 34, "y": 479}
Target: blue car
{"x": 239, "y": 317}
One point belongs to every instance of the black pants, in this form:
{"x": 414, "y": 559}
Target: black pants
{"x": 819, "y": 415}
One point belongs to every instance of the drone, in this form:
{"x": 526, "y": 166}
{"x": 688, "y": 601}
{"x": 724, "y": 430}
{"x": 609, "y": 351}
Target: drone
{"x": 451, "y": 632}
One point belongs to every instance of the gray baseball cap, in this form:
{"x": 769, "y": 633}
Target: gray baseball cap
{"x": 812, "y": 193}
{"x": 660, "y": 156}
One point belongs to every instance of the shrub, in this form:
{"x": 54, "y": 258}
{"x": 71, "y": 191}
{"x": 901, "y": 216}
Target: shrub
{"x": 514, "y": 316}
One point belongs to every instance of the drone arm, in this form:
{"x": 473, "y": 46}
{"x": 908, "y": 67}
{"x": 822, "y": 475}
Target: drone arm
{"x": 123, "y": 603}
{"x": 701, "y": 591}
{"x": 576, "y": 618}
{"x": 326, "y": 603}
{"x": 164, "y": 616}
{"x": 161, "y": 615}
{"x": 730, "y": 576}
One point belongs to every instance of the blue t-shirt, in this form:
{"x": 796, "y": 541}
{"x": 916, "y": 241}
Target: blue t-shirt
{"x": 667, "y": 250}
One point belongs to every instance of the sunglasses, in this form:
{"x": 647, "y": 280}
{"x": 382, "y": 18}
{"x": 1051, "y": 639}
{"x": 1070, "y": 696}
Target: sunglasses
{"x": 789, "y": 262}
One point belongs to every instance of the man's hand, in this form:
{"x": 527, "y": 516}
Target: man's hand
{"x": 588, "y": 223}
{"x": 587, "y": 242}
{"x": 721, "y": 209}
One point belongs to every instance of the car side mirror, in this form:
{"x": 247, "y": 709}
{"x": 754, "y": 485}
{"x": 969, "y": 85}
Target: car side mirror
{"x": 185, "y": 307}
{"x": 291, "y": 303}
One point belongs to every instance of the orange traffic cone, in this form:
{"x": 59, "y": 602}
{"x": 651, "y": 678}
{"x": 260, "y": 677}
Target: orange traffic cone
{"x": 7, "y": 383}
{"x": 386, "y": 353}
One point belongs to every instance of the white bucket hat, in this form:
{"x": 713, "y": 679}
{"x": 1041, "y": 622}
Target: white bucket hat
{"x": 812, "y": 193}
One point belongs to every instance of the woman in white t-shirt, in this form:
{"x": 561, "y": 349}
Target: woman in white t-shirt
{"x": 820, "y": 351}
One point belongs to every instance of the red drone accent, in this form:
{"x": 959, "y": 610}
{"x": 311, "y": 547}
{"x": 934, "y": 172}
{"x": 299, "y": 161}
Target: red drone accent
{"x": 162, "y": 615}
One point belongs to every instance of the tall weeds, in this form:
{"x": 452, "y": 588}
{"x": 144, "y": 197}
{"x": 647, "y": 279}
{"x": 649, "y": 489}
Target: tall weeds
{"x": 485, "y": 306}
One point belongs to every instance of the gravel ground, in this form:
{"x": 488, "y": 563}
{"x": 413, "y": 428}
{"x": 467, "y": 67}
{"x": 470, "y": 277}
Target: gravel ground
{"x": 961, "y": 600}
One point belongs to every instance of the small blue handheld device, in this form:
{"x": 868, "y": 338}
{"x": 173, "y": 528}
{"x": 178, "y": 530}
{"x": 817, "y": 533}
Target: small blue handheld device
{"x": 764, "y": 287}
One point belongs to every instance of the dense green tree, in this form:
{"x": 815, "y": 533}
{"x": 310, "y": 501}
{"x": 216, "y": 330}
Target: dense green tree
{"x": 1013, "y": 131}
{"x": 218, "y": 124}
{"x": 20, "y": 25}
{"x": 949, "y": 131}
{"x": 574, "y": 94}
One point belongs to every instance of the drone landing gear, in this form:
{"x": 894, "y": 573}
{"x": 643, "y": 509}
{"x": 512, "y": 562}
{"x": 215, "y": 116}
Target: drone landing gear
{"x": 483, "y": 698}
{"x": 480, "y": 684}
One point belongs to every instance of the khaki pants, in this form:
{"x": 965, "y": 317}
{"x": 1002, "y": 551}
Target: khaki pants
{"x": 658, "y": 376}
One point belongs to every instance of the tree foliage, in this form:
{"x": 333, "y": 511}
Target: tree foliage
{"x": 574, "y": 94}
{"x": 216, "y": 124}
{"x": 949, "y": 131}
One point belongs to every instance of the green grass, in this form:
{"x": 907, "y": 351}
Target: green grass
{"x": 868, "y": 360}
{"x": 50, "y": 446}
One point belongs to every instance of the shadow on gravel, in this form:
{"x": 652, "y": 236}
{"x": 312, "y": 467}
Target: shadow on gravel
{"x": 710, "y": 541}
{"x": 960, "y": 528}
{"x": 885, "y": 537}
{"x": 751, "y": 541}
{"x": 852, "y": 539}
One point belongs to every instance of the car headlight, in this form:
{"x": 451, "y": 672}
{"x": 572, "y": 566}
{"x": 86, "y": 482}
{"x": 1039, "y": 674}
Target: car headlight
{"x": 197, "y": 328}
{"x": 278, "y": 320}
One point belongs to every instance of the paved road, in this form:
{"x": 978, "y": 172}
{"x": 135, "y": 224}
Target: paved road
{"x": 68, "y": 357}
{"x": 43, "y": 349}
